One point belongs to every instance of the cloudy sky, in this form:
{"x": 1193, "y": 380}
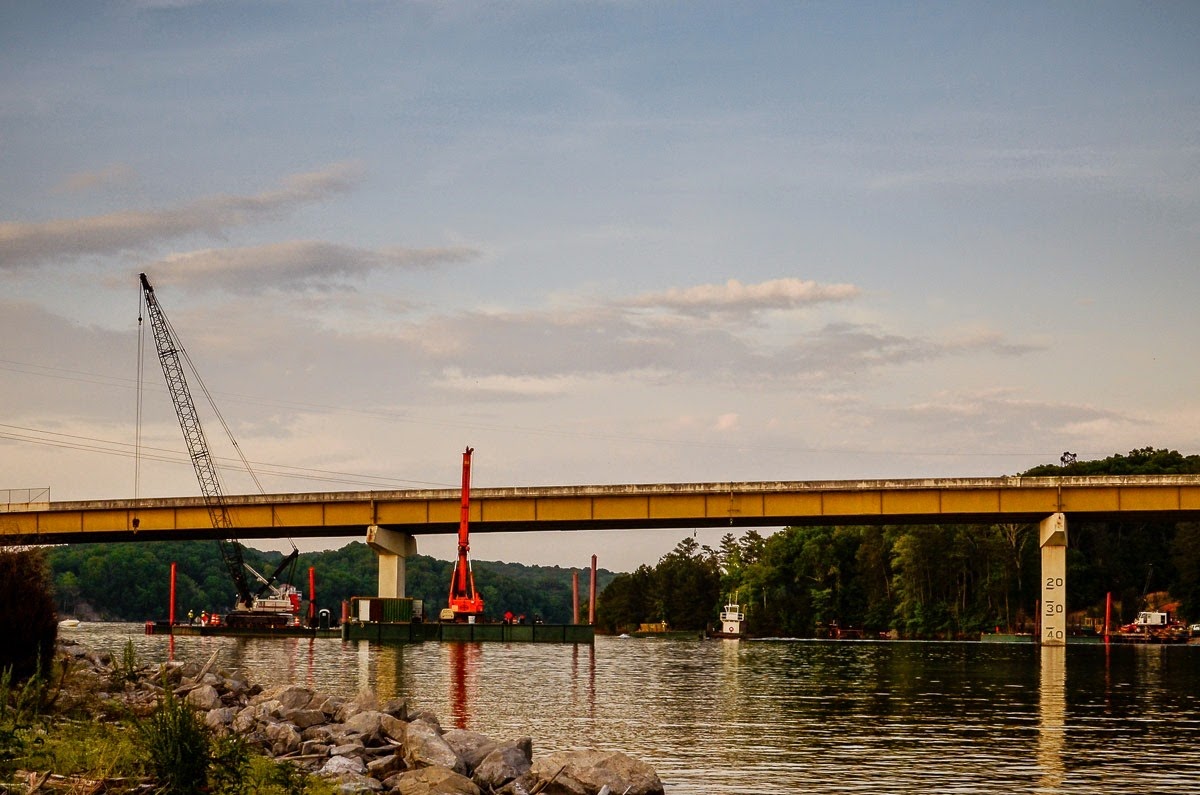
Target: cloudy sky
{"x": 600, "y": 242}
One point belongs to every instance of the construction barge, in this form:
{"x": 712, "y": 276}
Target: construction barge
{"x": 221, "y": 630}
{"x": 402, "y": 620}
{"x": 390, "y": 620}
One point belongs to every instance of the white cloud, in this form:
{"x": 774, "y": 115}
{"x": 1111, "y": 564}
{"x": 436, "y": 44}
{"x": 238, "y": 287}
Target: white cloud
{"x": 28, "y": 244}
{"x": 736, "y": 297}
{"x": 293, "y": 265}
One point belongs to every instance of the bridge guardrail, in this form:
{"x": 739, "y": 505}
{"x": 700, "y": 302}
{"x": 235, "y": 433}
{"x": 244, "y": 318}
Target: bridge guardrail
{"x": 37, "y": 499}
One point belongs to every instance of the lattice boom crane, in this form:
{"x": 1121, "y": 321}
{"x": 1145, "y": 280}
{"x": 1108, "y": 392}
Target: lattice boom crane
{"x": 252, "y": 608}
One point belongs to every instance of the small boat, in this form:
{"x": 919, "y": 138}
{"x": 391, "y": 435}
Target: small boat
{"x": 733, "y": 622}
{"x": 1152, "y": 626}
{"x": 68, "y": 623}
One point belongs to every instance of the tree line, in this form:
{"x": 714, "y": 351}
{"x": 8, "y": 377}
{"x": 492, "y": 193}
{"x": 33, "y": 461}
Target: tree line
{"x": 131, "y": 581}
{"x": 919, "y": 581}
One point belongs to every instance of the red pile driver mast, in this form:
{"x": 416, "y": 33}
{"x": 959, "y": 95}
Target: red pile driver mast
{"x": 464, "y": 603}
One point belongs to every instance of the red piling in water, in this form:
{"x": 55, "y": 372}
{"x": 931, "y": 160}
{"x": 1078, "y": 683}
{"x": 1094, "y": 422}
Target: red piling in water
{"x": 312, "y": 596}
{"x": 592, "y": 595}
{"x": 575, "y": 595}
{"x": 1107, "y": 616}
{"x": 172, "y": 608}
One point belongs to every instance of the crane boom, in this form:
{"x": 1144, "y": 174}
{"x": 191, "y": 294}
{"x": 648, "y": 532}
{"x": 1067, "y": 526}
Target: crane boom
{"x": 193, "y": 435}
{"x": 169, "y": 349}
{"x": 464, "y": 603}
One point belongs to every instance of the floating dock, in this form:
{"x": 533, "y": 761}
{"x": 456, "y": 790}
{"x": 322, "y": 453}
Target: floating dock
{"x": 401, "y": 620}
{"x": 418, "y": 632}
{"x": 182, "y": 630}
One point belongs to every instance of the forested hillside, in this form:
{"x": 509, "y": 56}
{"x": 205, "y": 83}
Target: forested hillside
{"x": 921, "y": 581}
{"x": 130, "y": 582}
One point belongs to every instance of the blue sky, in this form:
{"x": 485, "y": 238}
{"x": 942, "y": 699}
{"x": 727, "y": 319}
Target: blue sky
{"x": 599, "y": 242}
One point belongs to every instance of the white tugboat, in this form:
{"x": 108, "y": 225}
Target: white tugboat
{"x": 733, "y": 622}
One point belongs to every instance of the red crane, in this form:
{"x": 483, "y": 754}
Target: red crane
{"x": 464, "y": 603}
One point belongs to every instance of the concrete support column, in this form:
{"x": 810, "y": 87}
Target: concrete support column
{"x": 1052, "y": 535}
{"x": 392, "y": 547}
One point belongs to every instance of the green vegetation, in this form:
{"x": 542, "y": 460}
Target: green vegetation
{"x": 1143, "y": 461}
{"x": 55, "y": 720}
{"x": 178, "y": 747}
{"x": 171, "y": 751}
{"x": 921, "y": 581}
{"x": 130, "y": 582}
{"x": 28, "y": 622}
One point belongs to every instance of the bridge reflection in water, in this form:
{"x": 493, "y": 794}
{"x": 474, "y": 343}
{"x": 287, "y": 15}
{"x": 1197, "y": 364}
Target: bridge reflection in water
{"x": 764, "y": 717}
{"x": 1052, "y": 714}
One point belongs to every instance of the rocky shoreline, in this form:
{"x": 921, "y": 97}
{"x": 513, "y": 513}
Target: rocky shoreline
{"x": 362, "y": 744}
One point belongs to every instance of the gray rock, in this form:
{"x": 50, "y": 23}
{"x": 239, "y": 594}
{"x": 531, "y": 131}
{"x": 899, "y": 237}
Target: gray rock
{"x": 425, "y": 747}
{"x": 506, "y": 763}
{"x": 244, "y": 721}
{"x": 267, "y": 710}
{"x": 303, "y": 718}
{"x": 355, "y": 784}
{"x": 365, "y": 700}
{"x": 365, "y": 724}
{"x": 432, "y": 781}
{"x": 396, "y": 707}
{"x": 283, "y": 737}
{"x": 471, "y": 747}
{"x": 323, "y": 732}
{"x": 586, "y": 772}
{"x": 427, "y": 717}
{"x": 340, "y": 765}
{"x": 385, "y": 766}
{"x": 204, "y": 698}
{"x": 314, "y": 747}
{"x": 220, "y": 717}
{"x": 348, "y": 749}
{"x": 289, "y": 696}
{"x": 327, "y": 704}
{"x": 391, "y": 727}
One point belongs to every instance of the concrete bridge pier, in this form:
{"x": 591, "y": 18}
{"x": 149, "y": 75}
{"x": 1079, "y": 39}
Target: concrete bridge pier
{"x": 392, "y": 547}
{"x": 1052, "y": 535}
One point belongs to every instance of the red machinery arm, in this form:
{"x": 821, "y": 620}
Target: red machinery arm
{"x": 463, "y": 600}
{"x": 464, "y": 522}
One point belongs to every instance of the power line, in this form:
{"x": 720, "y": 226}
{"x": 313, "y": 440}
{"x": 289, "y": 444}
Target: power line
{"x": 402, "y": 417}
{"x": 164, "y": 455}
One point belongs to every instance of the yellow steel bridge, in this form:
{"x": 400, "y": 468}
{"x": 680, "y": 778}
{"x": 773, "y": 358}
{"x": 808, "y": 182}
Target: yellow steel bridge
{"x": 520, "y": 509}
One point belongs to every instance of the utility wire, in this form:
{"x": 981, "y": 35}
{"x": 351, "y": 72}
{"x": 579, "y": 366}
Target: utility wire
{"x": 403, "y": 417}
{"x": 137, "y": 436}
{"x": 22, "y": 433}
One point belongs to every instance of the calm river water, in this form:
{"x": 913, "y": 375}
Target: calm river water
{"x": 783, "y": 716}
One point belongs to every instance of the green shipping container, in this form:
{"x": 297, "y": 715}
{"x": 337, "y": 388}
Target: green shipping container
{"x": 396, "y": 611}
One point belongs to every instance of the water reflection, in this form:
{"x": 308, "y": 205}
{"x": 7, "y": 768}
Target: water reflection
{"x": 1052, "y": 712}
{"x": 783, "y": 716}
{"x": 463, "y": 659}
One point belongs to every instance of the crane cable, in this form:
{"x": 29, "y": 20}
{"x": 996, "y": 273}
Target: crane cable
{"x": 212, "y": 403}
{"x": 137, "y": 434}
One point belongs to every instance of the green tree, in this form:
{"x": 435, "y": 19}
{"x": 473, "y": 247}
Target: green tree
{"x": 687, "y": 583}
{"x": 28, "y": 621}
{"x": 627, "y": 601}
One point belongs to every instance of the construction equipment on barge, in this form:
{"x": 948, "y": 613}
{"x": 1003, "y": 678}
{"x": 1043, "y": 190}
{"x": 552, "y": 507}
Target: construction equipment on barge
{"x": 464, "y": 603}
{"x": 274, "y": 603}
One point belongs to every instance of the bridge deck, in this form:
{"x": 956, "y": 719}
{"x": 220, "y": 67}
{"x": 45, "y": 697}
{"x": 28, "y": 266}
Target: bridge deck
{"x": 517, "y": 509}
